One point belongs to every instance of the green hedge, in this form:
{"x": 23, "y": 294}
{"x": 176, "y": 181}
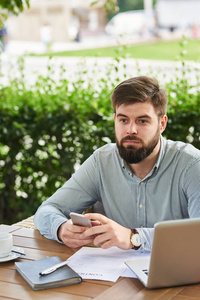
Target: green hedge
{"x": 50, "y": 127}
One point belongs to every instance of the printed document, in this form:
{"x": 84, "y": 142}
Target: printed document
{"x": 103, "y": 264}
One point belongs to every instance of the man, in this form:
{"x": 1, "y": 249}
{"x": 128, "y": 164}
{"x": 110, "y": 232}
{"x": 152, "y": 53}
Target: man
{"x": 140, "y": 180}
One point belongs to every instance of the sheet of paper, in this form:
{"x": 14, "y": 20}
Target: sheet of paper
{"x": 103, "y": 264}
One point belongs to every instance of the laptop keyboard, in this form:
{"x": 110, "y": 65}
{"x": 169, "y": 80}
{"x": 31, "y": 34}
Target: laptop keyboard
{"x": 146, "y": 272}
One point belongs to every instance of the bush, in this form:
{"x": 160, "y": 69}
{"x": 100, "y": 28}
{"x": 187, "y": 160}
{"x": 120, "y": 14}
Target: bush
{"x": 184, "y": 109}
{"x": 46, "y": 131}
{"x": 50, "y": 127}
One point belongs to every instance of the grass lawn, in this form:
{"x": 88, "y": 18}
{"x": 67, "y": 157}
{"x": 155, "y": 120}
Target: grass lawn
{"x": 158, "y": 50}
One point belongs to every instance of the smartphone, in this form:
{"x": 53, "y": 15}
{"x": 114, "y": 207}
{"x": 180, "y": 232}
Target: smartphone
{"x": 78, "y": 219}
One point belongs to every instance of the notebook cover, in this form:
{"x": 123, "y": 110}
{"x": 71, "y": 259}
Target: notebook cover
{"x": 30, "y": 270}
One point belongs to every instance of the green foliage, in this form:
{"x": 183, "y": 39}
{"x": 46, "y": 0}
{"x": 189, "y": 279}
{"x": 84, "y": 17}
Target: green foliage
{"x": 50, "y": 127}
{"x": 125, "y": 5}
{"x": 184, "y": 102}
{"x": 14, "y": 6}
{"x": 184, "y": 110}
{"x": 46, "y": 130}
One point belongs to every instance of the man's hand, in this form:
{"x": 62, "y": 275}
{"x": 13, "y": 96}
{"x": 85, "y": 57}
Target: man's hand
{"x": 108, "y": 234}
{"x": 69, "y": 234}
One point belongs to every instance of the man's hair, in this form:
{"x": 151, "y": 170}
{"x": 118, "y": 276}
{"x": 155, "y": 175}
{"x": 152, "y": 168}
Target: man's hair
{"x": 140, "y": 89}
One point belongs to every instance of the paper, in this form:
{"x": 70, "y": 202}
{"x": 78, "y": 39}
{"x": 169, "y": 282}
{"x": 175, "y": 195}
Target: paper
{"x": 103, "y": 264}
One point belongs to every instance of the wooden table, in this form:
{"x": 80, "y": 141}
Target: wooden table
{"x": 13, "y": 286}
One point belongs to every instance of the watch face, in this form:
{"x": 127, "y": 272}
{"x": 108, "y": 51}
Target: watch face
{"x": 136, "y": 240}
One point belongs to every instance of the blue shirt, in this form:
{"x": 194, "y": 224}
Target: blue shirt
{"x": 170, "y": 191}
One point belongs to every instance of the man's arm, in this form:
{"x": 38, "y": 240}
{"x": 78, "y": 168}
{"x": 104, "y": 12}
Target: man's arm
{"x": 146, "y": 238}
{"x": 76, "y": 195}
{"x": 191, "y": 189}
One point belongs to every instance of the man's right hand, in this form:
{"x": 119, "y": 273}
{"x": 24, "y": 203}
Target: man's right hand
{"x": 69, "y": 234}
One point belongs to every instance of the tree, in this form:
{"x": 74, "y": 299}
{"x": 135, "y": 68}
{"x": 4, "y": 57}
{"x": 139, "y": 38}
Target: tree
{"x": 125, "y": 5}
{"x": 113, "y": 6}
{"x": 14, "y": 6}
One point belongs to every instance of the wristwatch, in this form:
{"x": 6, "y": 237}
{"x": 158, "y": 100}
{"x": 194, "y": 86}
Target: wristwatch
{"x": 135, "y": 239}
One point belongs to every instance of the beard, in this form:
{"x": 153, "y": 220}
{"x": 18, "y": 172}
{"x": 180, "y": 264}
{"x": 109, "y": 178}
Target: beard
{"x": 132, "y": 154}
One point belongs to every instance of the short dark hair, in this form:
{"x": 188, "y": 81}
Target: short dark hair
{"x": 140, "y": 89}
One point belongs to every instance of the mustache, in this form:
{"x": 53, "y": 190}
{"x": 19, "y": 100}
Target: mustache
{"x": 129, "y": 137}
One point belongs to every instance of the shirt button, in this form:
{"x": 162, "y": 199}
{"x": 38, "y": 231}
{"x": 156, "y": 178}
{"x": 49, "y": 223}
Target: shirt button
{"x": 141, "y": 182}
{"x": 140, "y": 205}
{"x": 141, "y": 226}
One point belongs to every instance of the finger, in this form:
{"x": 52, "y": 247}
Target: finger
{"x": 96, "y": 230}
{"x": 77, "y": 236}
{"x": 75, "y": 243}
{"x": 101, "y": 239}
{"x": 95, "y": 223}
{"x": 107, "y": 244}
{"x": 97, "y": 217}
{"x": 77, "y": 229}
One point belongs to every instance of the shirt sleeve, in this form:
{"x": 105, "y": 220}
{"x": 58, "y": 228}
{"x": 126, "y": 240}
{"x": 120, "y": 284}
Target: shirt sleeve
{"x": 146, "y": 237}
{"x": 77, "y": 194}
{"x": 191, "y": 188}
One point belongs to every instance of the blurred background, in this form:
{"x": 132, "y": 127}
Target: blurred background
{"x": 59, "y": 63}
{"x": 71, "y": 24}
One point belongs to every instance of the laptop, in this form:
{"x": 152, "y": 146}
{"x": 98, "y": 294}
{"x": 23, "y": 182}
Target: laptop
{"x": 175, "y": 255}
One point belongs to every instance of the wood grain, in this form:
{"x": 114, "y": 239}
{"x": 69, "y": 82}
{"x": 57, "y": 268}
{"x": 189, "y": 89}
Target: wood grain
{"x": 13, "y": 286}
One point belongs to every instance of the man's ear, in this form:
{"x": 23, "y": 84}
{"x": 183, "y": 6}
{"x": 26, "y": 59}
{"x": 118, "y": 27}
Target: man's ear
{"x": 163, "y": 123}
{"x": 114, "y": 116}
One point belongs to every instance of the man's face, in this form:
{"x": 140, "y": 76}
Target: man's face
{"x": 137, "y": 131}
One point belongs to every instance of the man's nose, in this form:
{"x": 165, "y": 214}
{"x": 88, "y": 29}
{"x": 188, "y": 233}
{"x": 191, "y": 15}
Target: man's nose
{"x": 132, "y": 128}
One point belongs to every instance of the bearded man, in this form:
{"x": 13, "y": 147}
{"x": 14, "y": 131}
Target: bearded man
{"x": 139, "y": 180}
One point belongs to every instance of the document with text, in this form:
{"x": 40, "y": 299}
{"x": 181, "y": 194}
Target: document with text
{"x": 103, "y": 264}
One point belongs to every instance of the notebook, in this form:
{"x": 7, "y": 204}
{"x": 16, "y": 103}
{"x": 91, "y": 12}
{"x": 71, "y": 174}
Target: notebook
{"x": 30, "y": 270}
{"x": 175, "y": 255}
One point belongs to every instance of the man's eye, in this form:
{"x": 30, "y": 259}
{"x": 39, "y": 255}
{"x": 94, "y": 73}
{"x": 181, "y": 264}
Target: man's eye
{"x": 123, "y": 120}
{"x": 143, "y": 121}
